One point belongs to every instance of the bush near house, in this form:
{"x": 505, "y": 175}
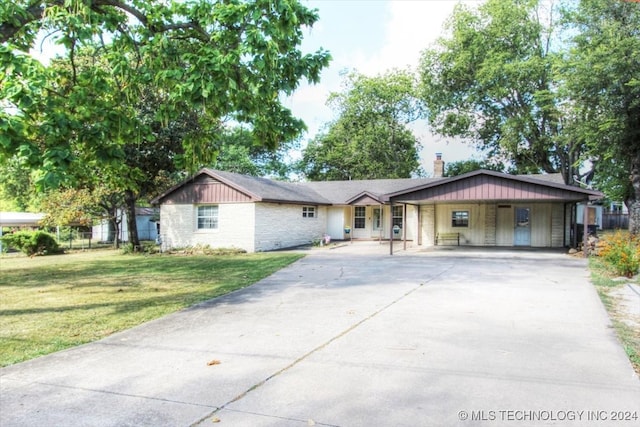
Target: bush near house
{"x": 621, "y": 252}
{"x": 32, "y": 242}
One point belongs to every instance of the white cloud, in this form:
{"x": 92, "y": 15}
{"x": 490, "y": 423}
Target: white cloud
{"x": 375, "y": 41}
{"x": 412, "y": 26}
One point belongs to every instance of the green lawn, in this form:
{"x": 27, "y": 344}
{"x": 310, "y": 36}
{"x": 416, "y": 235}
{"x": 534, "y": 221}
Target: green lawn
{"x": 603, "y": 279}
{"x": 55, "y": 302}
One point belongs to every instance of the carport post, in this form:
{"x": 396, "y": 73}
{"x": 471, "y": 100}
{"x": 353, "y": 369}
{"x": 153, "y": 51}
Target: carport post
{"x": 391, "y": 227}
{"x": 404, "y": 225}
{"x": 585, "y": 233}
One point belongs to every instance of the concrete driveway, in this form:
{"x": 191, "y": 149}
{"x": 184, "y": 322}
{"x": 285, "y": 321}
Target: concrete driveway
{"x": 355, "y": 337}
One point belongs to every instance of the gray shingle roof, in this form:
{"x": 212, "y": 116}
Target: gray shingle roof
{"x": 338, "y": 192}
{"x": 555, "y": 178}
{"x": 321, "y": 192}
{"x": 342, "y": 192}
{"x": 272, "y": 190}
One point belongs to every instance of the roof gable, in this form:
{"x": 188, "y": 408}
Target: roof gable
{"x": 365, "y": 198}
{"x": 489, "y": 185}
{"x": 205, "y": 187}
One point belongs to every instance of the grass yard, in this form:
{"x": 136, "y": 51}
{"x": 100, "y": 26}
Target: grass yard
{"x": 55, "y": 302}
{"x": 607, "y": 284}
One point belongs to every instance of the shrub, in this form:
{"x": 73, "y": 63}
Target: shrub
{"x": 32, "y": 242}
{"x": 622, "y": 252}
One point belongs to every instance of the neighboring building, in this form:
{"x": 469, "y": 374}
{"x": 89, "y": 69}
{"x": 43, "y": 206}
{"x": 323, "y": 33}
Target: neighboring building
{"x": 482, "y": 208}
{"x": 594, "y": 216}
{"x": 146, "y": 221}
{"x": 19, "y": 220}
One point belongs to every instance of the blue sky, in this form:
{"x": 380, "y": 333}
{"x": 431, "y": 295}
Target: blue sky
{"x": 371, "y": 37}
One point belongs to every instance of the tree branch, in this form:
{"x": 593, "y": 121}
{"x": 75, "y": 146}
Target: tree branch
{"x": 35, "y": 12}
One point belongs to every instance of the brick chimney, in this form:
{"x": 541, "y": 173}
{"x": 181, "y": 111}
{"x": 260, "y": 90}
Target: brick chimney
{"x": 438, "y": 166}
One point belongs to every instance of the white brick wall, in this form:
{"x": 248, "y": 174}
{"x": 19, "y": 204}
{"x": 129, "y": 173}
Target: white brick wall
{"x": 253, "y": 227}
{"x": 235, "y": 227}
{"x": 282, "y": 226}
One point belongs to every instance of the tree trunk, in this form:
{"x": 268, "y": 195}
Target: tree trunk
{"x": 130, "y": 202}
{"x": 113, "y": 232}
{"x": 116, "y": 232}
{"x": 633, "y": 203}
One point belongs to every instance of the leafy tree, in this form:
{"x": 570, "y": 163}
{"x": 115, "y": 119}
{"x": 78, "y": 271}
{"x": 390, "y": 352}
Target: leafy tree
{"x": 69, "y": 207}
{"x": 227, "y": 60}
{"x": 491, "y": 81}
{"x": 602, "y": 76}
{"x": 466, "y": 166}
{"x": 237, "y": 152}
{"x": 221, "y": 60}
{"x": 16, "y": 187}
{"x": 370, "y": 138}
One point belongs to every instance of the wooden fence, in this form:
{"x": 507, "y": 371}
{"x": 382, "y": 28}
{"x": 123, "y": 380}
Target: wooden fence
{"x": 614, "y": 221}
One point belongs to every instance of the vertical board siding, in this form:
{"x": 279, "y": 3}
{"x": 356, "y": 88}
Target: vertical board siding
{"x": 490, "y": 225}
{"x": 207, "y": 190}
{"x": 540, "y": 225}
{"x": 427, "y": 226}
{"x": 557, "y": 225}
{"x": 484, "y": 188}
{"x": 474, "y": 235}
{"x": 504, "y": 225}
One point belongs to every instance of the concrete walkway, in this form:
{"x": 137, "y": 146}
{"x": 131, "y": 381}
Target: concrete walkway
{"x": 354, "y": 337}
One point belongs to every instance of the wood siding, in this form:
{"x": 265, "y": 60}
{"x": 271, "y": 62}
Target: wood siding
{"x": 206, "y": 190}
{"x": 472, "y": 235}
{"x": 490, "y": 225}
{"x": 493, "y": 224}
{"x": 485, "y": 188}
{"x": 427, "y": 225}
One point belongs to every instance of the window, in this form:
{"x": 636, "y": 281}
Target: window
{"x": 308, "y": 212}
{"x": 359, "y": 217}
{"x": 207, "y": 217}
{"x": 397, "y": 216}
{"x": 377, "y": 218}
{"x": 460, "y": 218}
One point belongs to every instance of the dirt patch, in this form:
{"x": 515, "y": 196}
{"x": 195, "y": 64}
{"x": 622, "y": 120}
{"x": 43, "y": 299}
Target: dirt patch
{"x": 627, "y": 302}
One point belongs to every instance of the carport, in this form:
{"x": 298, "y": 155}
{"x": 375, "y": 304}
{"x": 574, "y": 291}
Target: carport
{"x": 19, "y": 219}
{"x": 488, "y": 208}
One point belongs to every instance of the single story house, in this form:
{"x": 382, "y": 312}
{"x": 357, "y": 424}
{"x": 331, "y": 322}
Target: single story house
{"x": 480, "y": 208}
{"x": 146, "y": 223}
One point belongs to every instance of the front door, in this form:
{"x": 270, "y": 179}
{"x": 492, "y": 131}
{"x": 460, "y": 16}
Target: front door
{"x": 377, "y": 223}
{"x": 522, "y": 235}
